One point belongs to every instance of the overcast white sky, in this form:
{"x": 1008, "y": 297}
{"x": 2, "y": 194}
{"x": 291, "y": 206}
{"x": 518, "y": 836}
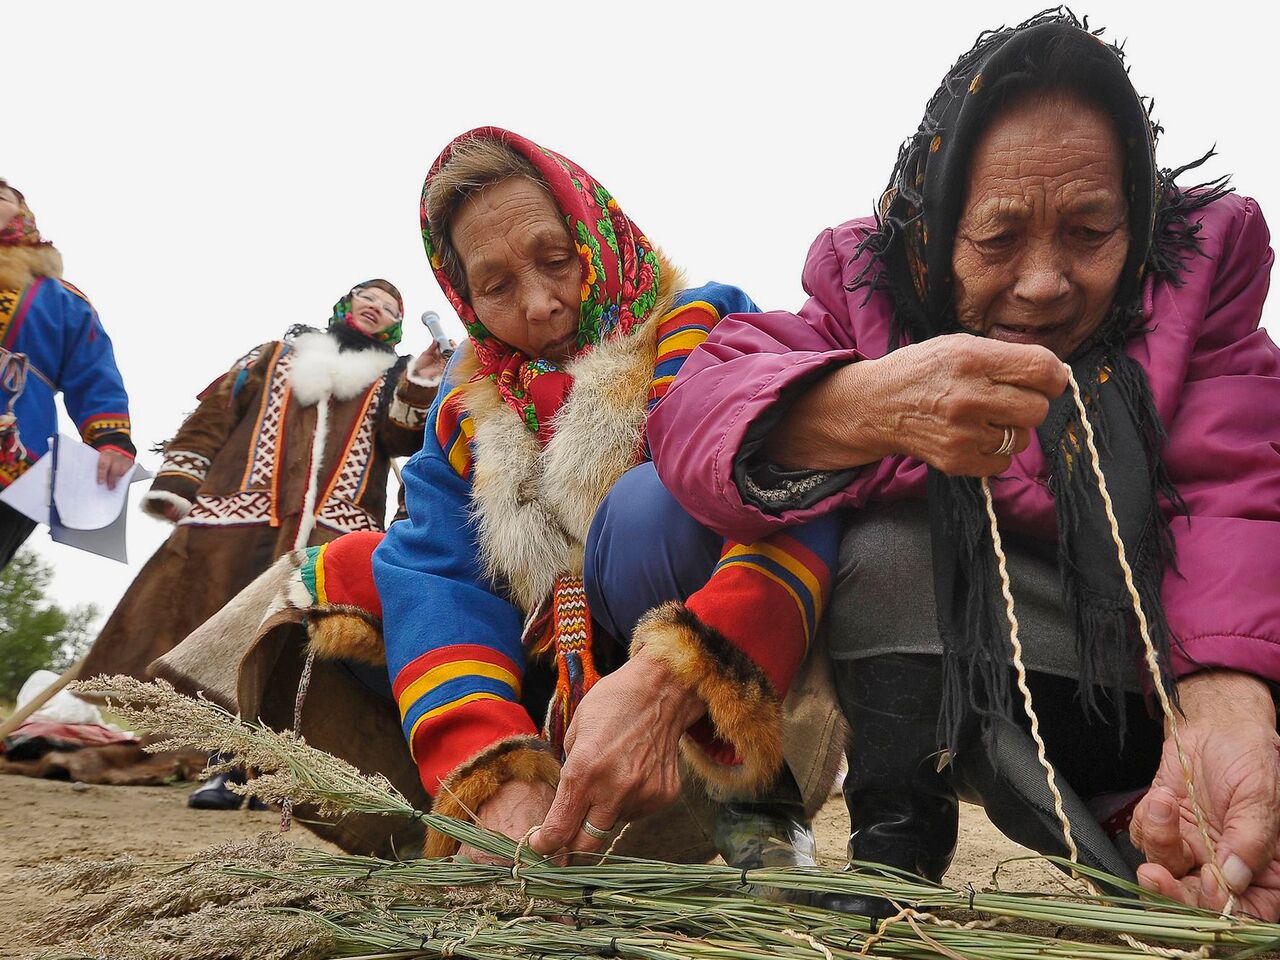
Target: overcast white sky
{"x": 216, "y": 172}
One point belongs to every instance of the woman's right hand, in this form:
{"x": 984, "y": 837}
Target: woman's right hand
{"x": 945, "y": 401}
{"x": 513, "y": 811}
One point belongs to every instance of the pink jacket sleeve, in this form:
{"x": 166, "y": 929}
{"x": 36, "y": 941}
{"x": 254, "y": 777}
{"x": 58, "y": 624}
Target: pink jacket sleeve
{"x": 1223, "y": 454}
{"x": 736, "y": 380}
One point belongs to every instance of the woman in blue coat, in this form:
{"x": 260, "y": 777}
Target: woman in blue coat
{"x": 51, "y": 340}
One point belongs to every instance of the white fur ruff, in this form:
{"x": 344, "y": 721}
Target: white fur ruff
{"x": 307, "y": 524}
{"x": 533, "y": 506}
{"x": 320, "y": 370}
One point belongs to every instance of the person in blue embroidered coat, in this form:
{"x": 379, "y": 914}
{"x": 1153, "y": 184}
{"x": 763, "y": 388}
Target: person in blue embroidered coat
{"x": 500, "y": 632}
{"x": 51, "y": 340}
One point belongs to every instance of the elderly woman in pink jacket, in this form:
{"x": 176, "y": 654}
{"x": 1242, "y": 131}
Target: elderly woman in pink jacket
{"x": 1026, "y": 229}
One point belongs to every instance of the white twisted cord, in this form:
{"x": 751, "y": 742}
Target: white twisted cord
{"x": 1153, "y": 665}
{"x": 1016, "y": 643}
{"x": 1152, "y": 658}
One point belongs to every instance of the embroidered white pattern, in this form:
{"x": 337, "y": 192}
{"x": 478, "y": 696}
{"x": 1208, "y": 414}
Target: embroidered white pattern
{"x": 406, "y": 414}
{"x": 339, "y": 511}
{"x": 243, "y": 508}
{"x": 185, "y": 463}
{"x": 267, "y": 442}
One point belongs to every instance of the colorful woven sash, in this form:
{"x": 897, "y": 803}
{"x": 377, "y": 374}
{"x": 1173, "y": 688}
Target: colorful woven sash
{"x": 569, "y": 634}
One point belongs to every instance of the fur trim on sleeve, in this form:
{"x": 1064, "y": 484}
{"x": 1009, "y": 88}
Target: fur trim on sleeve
{"x": 431, "y": 382}
{"x": 743, "y": 752}
{"x": 463, "y": 792}
{"x": 341, "y": 631}
{"x": 153, "y": 504}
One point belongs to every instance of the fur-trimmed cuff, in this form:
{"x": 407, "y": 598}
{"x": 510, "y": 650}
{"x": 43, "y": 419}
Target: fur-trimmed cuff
{"x": 154, "y": 502}
{"x": 345, "y": 632}
{"x": 737, "y": 749}
{"x": 428, "y": 382}
{"x": 465, "y": 790}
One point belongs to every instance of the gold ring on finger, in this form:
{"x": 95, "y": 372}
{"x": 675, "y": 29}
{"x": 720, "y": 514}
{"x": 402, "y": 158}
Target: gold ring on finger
{"x": 1006, "y": 448}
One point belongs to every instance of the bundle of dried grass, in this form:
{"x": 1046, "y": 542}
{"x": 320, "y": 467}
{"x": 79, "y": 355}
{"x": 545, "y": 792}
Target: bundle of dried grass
{"x": 268, "y": 900}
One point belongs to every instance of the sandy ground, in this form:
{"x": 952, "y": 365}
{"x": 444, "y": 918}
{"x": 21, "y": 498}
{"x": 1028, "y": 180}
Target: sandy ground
{"x": 44, "y": 820}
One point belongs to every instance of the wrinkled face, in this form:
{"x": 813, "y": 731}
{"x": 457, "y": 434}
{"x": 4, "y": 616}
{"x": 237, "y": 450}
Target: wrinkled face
{"x": 9, "y": 205}
{"x": 373, "y": 310}
{"x": 1044, "y": 231}
{"x": 522, "y": 268}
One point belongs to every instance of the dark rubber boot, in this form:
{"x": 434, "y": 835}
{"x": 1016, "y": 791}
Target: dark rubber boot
{"x": 215, "y": 793}
{"x": 770, "y": 830}
{"x": 903, "y": 811}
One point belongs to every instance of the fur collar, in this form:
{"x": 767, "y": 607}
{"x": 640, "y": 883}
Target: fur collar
{"x": 533, "y": 506}
{"x": 320, "y": 370}
{"x": 20, "y": 265}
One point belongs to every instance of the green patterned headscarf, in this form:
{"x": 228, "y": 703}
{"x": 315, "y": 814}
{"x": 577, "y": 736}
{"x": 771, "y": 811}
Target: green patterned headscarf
{"x": 342, "y": 313}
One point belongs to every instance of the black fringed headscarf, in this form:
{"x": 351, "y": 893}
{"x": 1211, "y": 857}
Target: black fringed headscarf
{"x": 911, "y": 258}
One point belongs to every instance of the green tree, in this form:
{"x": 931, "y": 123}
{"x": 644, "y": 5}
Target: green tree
{"x": 36, "y": 634}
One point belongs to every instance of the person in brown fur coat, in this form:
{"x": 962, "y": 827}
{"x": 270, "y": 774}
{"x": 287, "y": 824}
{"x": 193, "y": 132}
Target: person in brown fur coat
{"x": 290, "y": 447}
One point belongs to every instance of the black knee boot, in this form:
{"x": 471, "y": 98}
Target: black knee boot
{"x": 903, "y": 811}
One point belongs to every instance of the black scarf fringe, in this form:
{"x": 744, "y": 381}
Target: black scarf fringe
{"x": 1176, "y": 238}
{"x": 1108, "y": 641}
{"x": 976, "y": 676}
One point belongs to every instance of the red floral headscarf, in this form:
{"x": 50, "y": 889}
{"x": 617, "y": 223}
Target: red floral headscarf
{"x": 619, "y": 280}
{"x": 21, "y": 230}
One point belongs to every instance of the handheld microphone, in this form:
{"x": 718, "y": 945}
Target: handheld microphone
{"x": 431, "y": 320}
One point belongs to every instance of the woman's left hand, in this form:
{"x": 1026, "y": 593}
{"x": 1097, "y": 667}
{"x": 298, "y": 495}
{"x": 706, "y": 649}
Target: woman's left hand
{"x": 429, "y": 364}
{"x": 112, "y": 465}
{"x": 621, "y": 755}
{"x": 1230, "y": 740}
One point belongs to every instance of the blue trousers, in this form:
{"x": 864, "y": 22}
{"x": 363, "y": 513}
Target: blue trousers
{"x": 643, "y": 550}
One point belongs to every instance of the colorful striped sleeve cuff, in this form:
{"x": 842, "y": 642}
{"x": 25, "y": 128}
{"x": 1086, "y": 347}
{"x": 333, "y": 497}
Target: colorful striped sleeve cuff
{"x": 102, "y": 425}
{"x": 456, "y": 700}
{"x": 679, "y": 332}
{"x": 784, "y": 575}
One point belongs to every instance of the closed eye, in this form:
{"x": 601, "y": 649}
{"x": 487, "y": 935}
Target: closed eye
{"x": 997, "y": 243}
{"x": 1090, "y": 235}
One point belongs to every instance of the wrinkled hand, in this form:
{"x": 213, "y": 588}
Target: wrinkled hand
{"x": 429, "y": 364}
{"x": 512, "y": 811}
{"x": 945, "y": 401}
{"x": 954, "y": 395}
{"x": 622, "y": 755}
{"x": 1231, "y": 742}
{"x": 112, "y": 465}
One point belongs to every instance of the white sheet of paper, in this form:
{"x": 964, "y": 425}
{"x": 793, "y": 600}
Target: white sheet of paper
{"x": 108, "y": 541}
{"x": 83, "y": 503}
{"x": 29, "y": 494}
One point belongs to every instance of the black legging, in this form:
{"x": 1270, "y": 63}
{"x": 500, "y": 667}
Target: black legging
{"x": 14, "y": 530}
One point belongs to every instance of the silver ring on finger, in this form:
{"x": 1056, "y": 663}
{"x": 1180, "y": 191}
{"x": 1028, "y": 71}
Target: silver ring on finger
{"x": 1006, "y": 447}
{"x": 591, "y": 830}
